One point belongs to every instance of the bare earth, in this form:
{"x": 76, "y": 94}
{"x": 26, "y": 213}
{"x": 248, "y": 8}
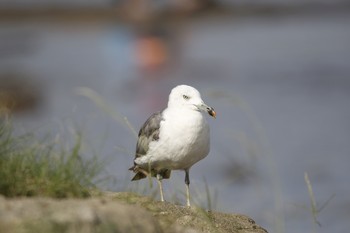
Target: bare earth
{"x": 115, "y": 212}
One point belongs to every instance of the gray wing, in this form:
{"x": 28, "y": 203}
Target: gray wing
{"x": 149, "y": 132}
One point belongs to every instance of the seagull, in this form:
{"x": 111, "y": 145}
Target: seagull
{"x": 173, "y": 139}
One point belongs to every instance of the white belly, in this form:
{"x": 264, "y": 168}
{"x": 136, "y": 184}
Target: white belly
{"x": 183, "y": 143}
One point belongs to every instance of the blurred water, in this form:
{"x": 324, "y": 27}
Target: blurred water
{"x": 280, "y": 86}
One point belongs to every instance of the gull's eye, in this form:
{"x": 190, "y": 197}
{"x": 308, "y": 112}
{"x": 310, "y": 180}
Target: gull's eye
{"x": 186, "y": 97}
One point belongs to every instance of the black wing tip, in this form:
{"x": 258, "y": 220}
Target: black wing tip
{"x": 138, "y": 176}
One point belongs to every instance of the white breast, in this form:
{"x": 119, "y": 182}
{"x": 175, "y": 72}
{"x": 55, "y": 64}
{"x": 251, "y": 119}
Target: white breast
{"x": 183, "y": 141}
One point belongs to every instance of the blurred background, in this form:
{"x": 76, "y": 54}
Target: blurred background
{"x": 276, "y": 72}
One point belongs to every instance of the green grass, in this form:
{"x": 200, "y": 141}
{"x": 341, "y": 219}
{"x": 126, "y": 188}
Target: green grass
{"x": 32, "y": 168}
{"x": 314, "y": 209}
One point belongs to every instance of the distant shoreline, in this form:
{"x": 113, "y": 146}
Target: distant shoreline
{"x": 87, "y": 14}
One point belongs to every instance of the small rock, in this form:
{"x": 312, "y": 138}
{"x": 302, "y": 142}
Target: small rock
{"x": 78, "y": 216}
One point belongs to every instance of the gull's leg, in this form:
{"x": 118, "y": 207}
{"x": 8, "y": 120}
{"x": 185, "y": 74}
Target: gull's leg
{"x": 159, "y": 179}
{"x": 187, "y": 182}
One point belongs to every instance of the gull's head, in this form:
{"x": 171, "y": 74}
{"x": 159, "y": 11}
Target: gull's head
{"x": 188, "y": 97}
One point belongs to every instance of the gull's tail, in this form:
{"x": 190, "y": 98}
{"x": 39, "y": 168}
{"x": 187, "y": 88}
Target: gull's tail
{"x": 141, "y": 173}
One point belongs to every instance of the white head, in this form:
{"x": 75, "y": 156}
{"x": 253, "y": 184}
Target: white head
{"x": 184, "y": 96}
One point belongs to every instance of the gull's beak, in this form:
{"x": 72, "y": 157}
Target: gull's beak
{"x": 212, "y": 112}
{"x": 208, "y": 109}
